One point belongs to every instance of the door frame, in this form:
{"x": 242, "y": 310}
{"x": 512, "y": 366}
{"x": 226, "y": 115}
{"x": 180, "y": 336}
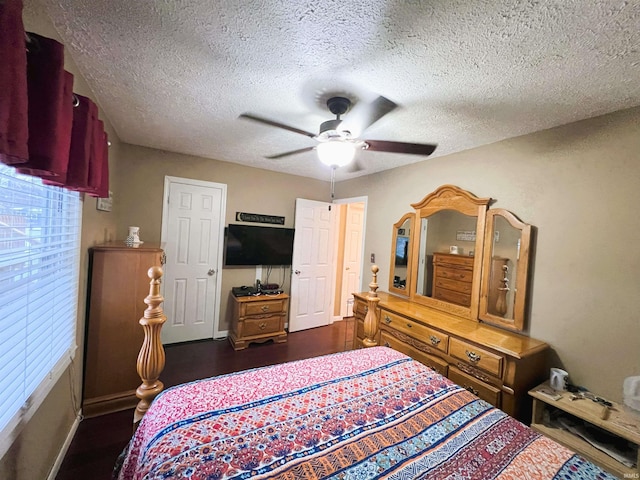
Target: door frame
{"x": 168, "y": 180}
{"x": 363, "y": 199}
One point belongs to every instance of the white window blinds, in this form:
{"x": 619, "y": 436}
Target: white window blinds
{"x": 39, "y": 267}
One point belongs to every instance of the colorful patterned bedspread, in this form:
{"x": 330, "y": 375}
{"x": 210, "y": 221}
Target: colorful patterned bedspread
{"x": 370, "y": 413}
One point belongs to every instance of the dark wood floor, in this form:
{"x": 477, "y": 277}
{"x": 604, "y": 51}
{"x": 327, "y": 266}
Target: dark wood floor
{"x": 99, "y": 440}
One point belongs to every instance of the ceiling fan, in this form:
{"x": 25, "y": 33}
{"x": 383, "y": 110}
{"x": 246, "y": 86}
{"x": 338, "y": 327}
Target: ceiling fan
{"x": 338, "y": 139}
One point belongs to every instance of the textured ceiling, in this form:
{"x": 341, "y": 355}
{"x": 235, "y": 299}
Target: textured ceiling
{"x": 175, "y": 75}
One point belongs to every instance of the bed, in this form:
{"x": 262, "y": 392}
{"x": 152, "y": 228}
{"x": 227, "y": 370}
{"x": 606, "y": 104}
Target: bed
{"x": 368, "y": 413}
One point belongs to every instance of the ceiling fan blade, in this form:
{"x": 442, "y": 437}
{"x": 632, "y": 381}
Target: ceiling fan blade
{"x": 273, "y": 123}
{"x": 400, "y": 147}
{"x": 364, "y": 115}
{"x": 292, "y": 152}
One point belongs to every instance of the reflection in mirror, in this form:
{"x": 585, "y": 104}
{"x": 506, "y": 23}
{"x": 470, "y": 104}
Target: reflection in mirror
{"x": 445, "y": 262}
{"x": 507, "y": 257}
{"x": 447, "y": 252}
{"x": 401, "y": 251}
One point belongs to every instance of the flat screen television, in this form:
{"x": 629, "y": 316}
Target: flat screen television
{"x": 257, "y": 245}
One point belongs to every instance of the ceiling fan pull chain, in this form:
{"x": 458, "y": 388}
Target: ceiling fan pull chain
{"x": 333, "y": 182}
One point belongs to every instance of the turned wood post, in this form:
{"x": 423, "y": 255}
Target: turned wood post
{"x": 371, "y": 318}
{"x": 151, "y": 356}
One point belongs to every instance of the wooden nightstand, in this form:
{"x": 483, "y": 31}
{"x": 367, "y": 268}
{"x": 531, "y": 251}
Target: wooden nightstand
{"x": 258, "y": 319}
{"x": 615, "y": 420}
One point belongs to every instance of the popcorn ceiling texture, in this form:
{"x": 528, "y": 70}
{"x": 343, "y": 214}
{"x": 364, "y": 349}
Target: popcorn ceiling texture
{"x": 175, "y": 75}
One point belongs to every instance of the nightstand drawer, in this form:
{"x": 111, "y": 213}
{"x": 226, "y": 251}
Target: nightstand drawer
{"x": 430, "y": 361}
{"x": 486, "y": 392}
{"x": 262, "y": 308}
{"x": 261, "y": 326}
{"x": 434, "y": 338}
{"x": 476, "y": 356}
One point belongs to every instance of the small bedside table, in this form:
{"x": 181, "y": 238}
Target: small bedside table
{"x": 616, "y": 421}
{"x": 258, "y": 319}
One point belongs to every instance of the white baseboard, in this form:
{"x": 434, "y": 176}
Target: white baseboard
{"x": 65, "y": 447}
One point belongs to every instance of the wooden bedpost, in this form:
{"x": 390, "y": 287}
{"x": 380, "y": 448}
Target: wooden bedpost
{"x": 371, "y": 318}
{"x": 151, "y": 356}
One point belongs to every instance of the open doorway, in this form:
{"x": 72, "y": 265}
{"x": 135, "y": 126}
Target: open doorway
{"x": 327, "y": 261}
{"x": 349, "y": 254}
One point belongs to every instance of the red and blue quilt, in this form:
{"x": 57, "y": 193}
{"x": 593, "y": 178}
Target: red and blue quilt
{"x": 363, "y": 414}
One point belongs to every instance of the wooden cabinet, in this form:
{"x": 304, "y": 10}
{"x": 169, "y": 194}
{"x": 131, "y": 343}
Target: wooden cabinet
{"x": 452, "y": 278}
{"x": 497, "y": 365}
{"x": 615, "y": 421}
{"x": 113, "y": 337}
{"x": 258, "y": 319}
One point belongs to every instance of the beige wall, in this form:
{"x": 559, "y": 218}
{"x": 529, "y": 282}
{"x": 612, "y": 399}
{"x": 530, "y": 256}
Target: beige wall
{"x": 580, "y": 186}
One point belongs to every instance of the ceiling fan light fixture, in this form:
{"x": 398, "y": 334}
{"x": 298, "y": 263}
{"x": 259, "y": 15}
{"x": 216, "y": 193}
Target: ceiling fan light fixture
{"x": 336, "y": 153}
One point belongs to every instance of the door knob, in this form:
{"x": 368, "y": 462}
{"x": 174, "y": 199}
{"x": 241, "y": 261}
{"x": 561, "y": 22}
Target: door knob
{"x": 297, "y": 272}
{"x": 211, "y": 272}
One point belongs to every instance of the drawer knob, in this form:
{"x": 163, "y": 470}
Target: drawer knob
{"x": 469, "y": 388}
{"x": 409, "y": 325}
{"x": 387, "y": 319}
{"x": 265, "y": 308}
{"x": 434, "y": 340}
{"x": 473, "y": 356}
{"x": 262, "y": 325}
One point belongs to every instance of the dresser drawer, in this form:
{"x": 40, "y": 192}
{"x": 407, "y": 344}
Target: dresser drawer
{"x": 430, "y": 361}
{"x": 262, "y": 308}
{"x": 455, "y": 285}
{"x": 458, "y": 298}
{"x": 486, "y": 392}
{"x": 434, "y": 338}
{"x": 360, "y": 309}
{"x": 458, "y": 274}
{"x": 476, "y": 356}
{"x": 458, "y": 261}
{"x": 261, "y": 326}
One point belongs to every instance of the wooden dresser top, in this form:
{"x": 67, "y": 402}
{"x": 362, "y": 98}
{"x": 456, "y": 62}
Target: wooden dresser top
{"x": 510, "y": 343}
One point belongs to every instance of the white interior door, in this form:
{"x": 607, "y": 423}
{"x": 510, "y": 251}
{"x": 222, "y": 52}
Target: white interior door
{"x": 193, "y": 238}
{"x": 312, "y": 269}
{"x": 354, "y": 227}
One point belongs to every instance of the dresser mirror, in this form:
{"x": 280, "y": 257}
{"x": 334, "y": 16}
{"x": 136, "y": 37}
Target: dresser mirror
{"x": 447, "y": 258}
{"x": 399, "y": 269}
{"x": 506, "y": 262}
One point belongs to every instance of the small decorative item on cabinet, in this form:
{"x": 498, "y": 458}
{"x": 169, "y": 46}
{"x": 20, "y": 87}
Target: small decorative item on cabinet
{"x": 133, "y": 239}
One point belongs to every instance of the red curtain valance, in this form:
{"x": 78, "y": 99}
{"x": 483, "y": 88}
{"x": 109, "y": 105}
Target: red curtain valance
{"x": 45, "y": 129}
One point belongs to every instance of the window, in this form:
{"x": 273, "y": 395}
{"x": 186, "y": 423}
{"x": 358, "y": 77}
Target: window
{"x": 39, "y": 267}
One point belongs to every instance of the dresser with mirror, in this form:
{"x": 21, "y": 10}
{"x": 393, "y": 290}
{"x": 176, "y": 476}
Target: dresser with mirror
{"x": 457, "y": 298}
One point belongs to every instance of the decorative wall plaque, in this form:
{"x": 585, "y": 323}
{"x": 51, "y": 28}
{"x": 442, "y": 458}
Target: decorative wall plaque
{"x": 259, "y": 218}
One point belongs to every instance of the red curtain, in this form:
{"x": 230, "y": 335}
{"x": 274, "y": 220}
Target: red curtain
{"x": 45, "y": 129}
